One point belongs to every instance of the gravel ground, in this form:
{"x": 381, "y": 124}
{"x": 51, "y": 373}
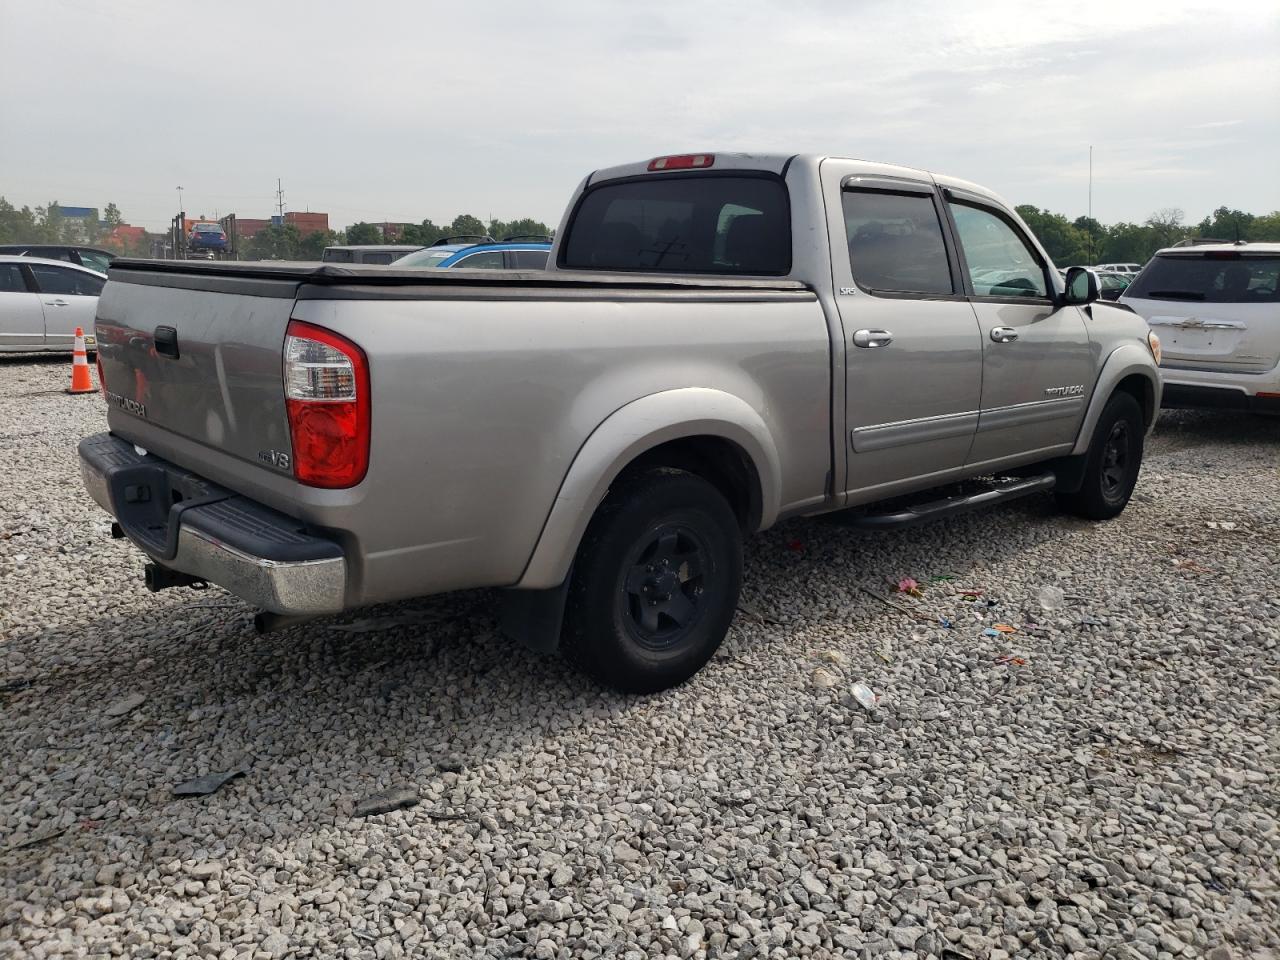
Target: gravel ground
{"x": 1111, "y": 792}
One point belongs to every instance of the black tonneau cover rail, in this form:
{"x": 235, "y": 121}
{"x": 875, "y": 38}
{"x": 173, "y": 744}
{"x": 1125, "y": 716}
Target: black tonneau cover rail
{"x": 376, "y": 275}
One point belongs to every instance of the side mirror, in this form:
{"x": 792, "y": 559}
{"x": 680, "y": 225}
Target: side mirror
{"x": 1082, "y": 286}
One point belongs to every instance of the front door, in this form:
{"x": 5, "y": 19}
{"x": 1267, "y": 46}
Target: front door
{"x": 1038, "y": 365}
{"x": 21, "y": 319}
{"x": 69, "y": 296}
{"x": 913, "y": 353}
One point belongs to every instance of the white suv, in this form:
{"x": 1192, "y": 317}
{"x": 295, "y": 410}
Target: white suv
{"x": 1128, "y": 269}
{"x": 1216, "y": 309}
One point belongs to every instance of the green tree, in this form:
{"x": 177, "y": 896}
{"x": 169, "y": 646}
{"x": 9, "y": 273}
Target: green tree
{"x": 464, "y": 224}
{"x": 1065, "y": 244}
{"x": 1266, "y": 227}
{"x": 274, "y": 242}
{"x": 311, "y": 247}
{"x": 17, "y": 226}
{"x": 1225, "y": 224}
{"x": 112, "y": 216}
{"x": 361, "y": 233}
{"x": 1166, "y": 227}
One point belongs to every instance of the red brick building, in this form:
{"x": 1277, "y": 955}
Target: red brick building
{"x": 247, "y": 227}
{"x": 307, "y": 223}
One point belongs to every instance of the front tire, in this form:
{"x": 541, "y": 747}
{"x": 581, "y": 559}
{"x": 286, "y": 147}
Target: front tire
{"x": 1112, "y": 463}
{"x": 655, "y": 582}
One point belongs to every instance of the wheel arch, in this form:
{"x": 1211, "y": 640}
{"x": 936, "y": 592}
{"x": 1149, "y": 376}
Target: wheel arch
{"x": 711, "y": 433}
{"x": 1129, "y": 368}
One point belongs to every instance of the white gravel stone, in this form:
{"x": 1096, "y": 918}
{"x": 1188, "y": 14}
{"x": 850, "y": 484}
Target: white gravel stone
{"x": 1114, "y": 793}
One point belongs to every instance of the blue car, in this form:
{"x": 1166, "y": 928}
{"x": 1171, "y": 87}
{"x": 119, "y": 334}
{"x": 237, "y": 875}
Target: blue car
{"x": 481, "y": 253}
{"x": 207, "y": 236}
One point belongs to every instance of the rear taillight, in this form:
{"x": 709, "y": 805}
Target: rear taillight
{"x": 326, "y": 386}
{"x": 102, "y": 381}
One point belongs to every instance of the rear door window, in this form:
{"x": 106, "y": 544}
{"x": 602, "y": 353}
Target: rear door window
{"x": 895, "y": 242}
{"x": 1209, "y": 278}
{"x": 737, "y": 225}
{"x": 528, "y": 259}
{"x": 73, "y": 283}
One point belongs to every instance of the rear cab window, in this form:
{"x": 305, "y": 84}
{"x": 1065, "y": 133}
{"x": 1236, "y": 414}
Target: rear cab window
{"x": 734, "y": 224}
{"x": 1210, "y": 277}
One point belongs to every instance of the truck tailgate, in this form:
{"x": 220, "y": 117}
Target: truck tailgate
{"x": 202, "y": 364}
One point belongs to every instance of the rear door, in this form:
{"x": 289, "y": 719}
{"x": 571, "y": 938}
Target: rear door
{"x": 69, "y": 297}
{"x": 913, "y": 353}
{"x": 21, "y": 317}
{"x": 1037, "y": 362}
{"x": 1215, "y": 310}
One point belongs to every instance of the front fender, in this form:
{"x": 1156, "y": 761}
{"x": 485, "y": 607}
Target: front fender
{"x": 1125, "y": 361}
{"x": 629, "y": 432}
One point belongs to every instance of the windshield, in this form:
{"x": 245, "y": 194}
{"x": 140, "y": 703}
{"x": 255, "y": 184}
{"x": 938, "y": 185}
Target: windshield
{"x": 425, "y": 258}
{"x": 1209, "y": 278}
{"x": 698, "y": 224}
{"x": 208, "y": 228}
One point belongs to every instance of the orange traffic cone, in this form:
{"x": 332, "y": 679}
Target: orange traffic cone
{"x": 81, "y": 381}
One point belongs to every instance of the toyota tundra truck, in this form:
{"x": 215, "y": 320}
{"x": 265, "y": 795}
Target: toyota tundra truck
{"x": 721, "y": 341}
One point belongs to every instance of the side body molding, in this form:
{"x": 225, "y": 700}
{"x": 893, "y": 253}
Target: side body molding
{"x": 628, "y": 432}
{"x": 1124, "y": 361}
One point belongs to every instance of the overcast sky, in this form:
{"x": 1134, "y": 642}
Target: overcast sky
{"x": 391, "y": 110}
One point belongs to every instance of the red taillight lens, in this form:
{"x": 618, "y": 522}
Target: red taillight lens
{"x": 685, "y": 161}
{"x": 326, "y": 383}
{"x": 102, "y": 381}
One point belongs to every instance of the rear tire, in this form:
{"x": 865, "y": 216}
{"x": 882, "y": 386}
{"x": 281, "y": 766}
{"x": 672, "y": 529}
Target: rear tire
{"x": 655, "y": 582}
{"x": 1112, "y": 463}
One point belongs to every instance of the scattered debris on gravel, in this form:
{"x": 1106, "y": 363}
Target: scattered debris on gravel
{"x": 1099, "y": 782}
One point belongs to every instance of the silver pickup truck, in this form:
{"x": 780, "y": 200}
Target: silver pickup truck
{"x": 721, "y": 341}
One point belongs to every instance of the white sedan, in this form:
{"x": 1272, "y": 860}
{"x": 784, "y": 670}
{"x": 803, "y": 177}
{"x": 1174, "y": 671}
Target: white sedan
{"x": 43, "y": 301}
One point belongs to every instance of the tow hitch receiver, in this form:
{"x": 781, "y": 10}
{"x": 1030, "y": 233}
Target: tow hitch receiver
{"x": 160, "y": 577}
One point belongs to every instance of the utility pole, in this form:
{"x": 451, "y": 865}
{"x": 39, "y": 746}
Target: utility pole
{"x": 280, "y": 200}
{"x": 1092, "y": 252}
{"x": 179, "y": 197}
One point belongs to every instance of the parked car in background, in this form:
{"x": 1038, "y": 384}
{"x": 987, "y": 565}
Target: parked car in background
{"x": 1132, "y": 269}
{"x": 43, "y": 301}
{"x": 512, "y": 253}
{"x": 1216, "y": 309}
{"x": 719, "y": 342}
{"x": 368, "y": 252}
{"x": 207, "y": 236}
{"x": 1112, "y": 285}
{"x": 90, "y": 257}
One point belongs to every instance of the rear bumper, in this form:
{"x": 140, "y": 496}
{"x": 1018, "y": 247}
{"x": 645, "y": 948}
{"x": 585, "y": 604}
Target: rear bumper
{"x": 191, "y": 525}
{"x": 1182, "y": 395}
{"x": 1226, "y": 390}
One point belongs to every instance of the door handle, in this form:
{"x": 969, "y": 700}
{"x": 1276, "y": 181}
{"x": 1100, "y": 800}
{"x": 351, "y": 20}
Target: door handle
{"x": 1004, "y": 334}
{"x": 872, "y": 338}
{"x": 56, "y": 303}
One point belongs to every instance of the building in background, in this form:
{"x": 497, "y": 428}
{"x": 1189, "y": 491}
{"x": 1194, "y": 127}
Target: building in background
{"x": 391, "y": 232}
{"x": 307, "y": 223}
{"x": 77, "y": 220}
{"x": 247, "y": 228}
